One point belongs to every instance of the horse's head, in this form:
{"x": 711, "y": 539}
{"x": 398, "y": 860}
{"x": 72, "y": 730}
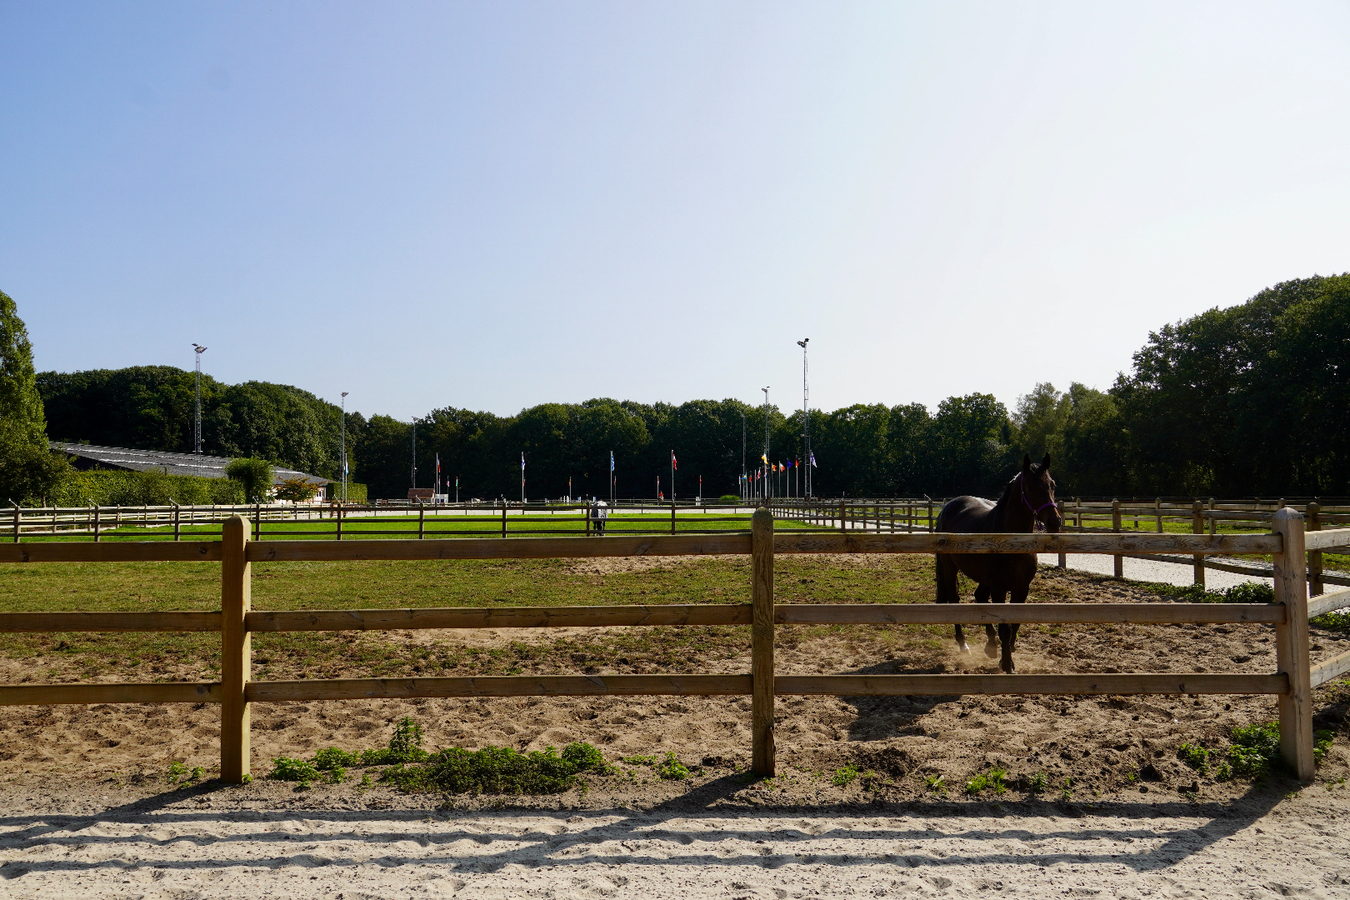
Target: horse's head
{"x": 1038, "y": 493}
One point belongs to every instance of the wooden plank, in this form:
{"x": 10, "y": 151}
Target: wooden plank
{"x": 1291, "y": 646}
{"x": 944, "y": 542}
{"x": 761, "y": 645}
{"x": 989, "y": 613}
{"x": 1321, "y": 605}
{"x": 139, "y": 551}
{"x": 236, "y": 651}
{"x": 515, "y": 617}
{"x": 505, "y": 548}
{"x": 1326, "y": 539}
{"x": 1329, "y": 669}
{"x": 499, "y": 686}
{"x": 951, "y": 685}
{"x": 12, "y": 622}
{"x": 122, "y": 692}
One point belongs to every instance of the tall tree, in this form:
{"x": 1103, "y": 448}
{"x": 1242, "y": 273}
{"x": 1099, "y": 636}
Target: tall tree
{"x": 27, "y": 468}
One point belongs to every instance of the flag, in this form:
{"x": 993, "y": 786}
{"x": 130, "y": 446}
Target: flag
{"x": 764, "y": 457}
{"x": 522, "y": 460}
{"x": 611, "y": 460}
{"x": 813, "y": 461}
{"x": 673, "y": 464}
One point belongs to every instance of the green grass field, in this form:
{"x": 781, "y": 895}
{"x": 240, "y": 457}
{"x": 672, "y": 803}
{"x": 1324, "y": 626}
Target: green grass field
{"x": 420, "y": 584}
{"x": 393, "y": 527}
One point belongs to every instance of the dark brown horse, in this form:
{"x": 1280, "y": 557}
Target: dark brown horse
{"x": 1027, "y": 505}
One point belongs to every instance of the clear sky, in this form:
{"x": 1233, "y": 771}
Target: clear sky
{"x": 494, "y": 204}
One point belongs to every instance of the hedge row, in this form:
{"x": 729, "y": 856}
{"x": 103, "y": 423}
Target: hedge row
{"x": 113, "y": 488}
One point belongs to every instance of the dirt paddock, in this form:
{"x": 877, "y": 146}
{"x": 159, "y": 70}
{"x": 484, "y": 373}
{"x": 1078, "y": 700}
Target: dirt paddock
{"x": 1096, "y": 794}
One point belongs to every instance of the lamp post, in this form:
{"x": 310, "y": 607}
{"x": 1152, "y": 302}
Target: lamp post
{"x": 806, "y": 420}
{"x": 344, "y": 446}
{"x": 414, "y": 452}
{"x": 197, "y": 418}
{"x": 766, "y": 442}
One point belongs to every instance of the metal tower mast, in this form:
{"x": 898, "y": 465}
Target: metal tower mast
{"x": 806, "y": 418}
{"x": 197, "y": 419}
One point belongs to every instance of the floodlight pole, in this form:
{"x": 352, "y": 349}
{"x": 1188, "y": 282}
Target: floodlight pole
{"x": 743, "y": 482}
{"x": 766, "y": 442}
{"x": 806, "y": 418}
{"x": 197, "y": 396}
{"x": 344, "y": 446}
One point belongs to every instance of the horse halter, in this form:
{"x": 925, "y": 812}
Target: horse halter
{"x": 1035, "y": 510}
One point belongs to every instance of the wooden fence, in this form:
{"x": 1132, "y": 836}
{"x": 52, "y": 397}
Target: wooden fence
{"x": 1291, "y": 683}
{"x": 343, "y": 521}
{"x": 1080, "y": 516}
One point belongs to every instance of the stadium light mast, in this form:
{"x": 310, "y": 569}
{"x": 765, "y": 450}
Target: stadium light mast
{"x": 197, "y": 398}
{"x": 765, "y": 479}
{"x": 344, "y": 446}
{"x": 806, "y": 419}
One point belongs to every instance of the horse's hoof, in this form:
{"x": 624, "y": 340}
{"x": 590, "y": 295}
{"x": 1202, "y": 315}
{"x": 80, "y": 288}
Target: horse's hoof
{"x": 964, "y": 648}
{"x": 991, "y": 649}
{"x": 1006, "y": 667}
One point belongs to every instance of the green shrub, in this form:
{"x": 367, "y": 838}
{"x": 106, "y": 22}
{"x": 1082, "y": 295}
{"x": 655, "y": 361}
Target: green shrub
{"x": 1195, "y": 756}
{"x": 285, "y": 768}
{"x": 498, "y": 770}
{"x": 729, "y": 498}
{"x": 671, "y": 769}
{"x": 356, "y": 493}
{"x": 256, "y": 476}
{"x": 106, "y": 487}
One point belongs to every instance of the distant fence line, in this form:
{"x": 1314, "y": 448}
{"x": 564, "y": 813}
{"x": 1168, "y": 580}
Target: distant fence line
{"x": 236, "y": 621}
{"x": 918, "y": 515}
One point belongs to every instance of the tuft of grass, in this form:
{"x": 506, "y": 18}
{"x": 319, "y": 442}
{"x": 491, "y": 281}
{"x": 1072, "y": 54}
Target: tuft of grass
{"x": 285, "y": 768}
{"x": 993, "y": 779}
{"x": 936, "y": 784}
{"x": 844, "y": 776}
{"x": 1195, "y": 756}
{"x": 180, "y": 774}
{"x": 497, "y": 770}
{"x": 671, "y": 769}
{"x": 1037, "y": 782}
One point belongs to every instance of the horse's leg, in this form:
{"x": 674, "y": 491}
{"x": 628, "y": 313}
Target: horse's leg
{"x": 946, "y": 592}
{"x": 1007, "y": 631}
{"x": 982, "y": 595}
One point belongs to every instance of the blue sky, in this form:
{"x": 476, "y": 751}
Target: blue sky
{"x": 494, "y": 205}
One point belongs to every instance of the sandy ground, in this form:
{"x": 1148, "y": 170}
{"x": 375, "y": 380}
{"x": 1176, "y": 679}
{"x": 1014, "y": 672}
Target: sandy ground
{"x": 87, "y": 808}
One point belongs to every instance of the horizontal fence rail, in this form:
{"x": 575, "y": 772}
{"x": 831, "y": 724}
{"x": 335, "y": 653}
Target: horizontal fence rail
{"x": 237, "y": 621}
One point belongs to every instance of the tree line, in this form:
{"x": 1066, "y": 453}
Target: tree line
{"x": 1239, "y": 401}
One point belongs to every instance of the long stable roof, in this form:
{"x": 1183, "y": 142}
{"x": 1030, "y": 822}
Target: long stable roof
{"x": 171, "y": 463}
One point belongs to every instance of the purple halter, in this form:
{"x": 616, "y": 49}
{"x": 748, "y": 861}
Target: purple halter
{"x": 1035, "y": 510}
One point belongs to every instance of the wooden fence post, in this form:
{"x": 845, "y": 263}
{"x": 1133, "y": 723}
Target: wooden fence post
{"x": 1157, "y": 509}
{"x": 421, "y": 520}
{"x": 1315, "y": 586}
{"x": 1291, "y": 645}
{"x": 672, "y": 514}
{"x": 1115, "y": 527}
{"x": 503, "y": 518}
{"x": 18, "y": 522}
{"x": 177, "y": 510}
{"x": 761, "y": 642}
{"x": 1198, "y": 527}
{"x": 96, "y": 523}
{"x": 236, "y": 649}
{"x": 339, "y": 521}
{"x": 843, "y": 517}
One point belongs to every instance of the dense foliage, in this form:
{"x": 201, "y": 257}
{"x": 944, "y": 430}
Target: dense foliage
{"x": 116, "y": 488}
{"x": 27, "y": 467}
{"x": 1232, "y": 402}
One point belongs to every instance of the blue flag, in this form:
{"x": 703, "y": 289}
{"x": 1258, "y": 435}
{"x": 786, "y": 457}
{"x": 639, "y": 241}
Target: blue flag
{"x": 611, "y": 460}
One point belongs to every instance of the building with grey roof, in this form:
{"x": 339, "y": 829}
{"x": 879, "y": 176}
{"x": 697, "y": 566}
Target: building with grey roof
{"x": 88, "y": 456}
